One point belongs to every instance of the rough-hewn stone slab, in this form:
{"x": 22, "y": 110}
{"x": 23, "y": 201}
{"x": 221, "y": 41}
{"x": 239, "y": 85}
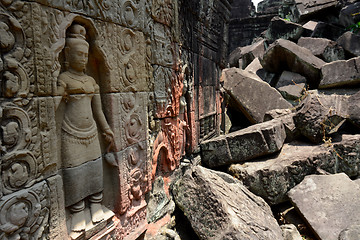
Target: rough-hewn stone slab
{"x": 286, "y": 55}
{"x": 329, "y": 203}
{"x": 280, "y": 28}
{"x": 257, "y": 140}
{"x": 241, "y": 57}
{"x": 340, "y": 73}
{"x": 305, "y": 8}
{"x": 354, "y": 109}
{"x": 245, "y": 90}
{"x": 220, "y": 207}
{"x": 351, "y": 43}
{"x": 323, "y": 48}
{"x": 271, "y": 178}
{"x": 319, "y": 115}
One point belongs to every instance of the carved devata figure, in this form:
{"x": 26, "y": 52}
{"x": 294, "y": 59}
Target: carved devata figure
{"x": 80, "y": 146}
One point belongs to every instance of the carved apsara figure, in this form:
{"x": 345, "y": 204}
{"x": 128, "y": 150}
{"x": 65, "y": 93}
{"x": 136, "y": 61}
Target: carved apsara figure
{"x": 80, "y": 146}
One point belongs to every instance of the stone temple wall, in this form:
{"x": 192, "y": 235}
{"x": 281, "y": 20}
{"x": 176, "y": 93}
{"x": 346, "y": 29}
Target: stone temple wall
{"x": 97, "y": 98}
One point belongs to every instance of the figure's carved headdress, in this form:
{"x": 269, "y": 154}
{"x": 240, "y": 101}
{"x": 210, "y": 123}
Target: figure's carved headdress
{"x": 76, "y": 35}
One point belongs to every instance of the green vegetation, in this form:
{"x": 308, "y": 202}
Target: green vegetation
{"x": 354, "y": 27}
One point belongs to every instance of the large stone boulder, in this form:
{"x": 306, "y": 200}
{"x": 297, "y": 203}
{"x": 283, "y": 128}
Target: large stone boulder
{"x": 241, "y": 57}
{"x": 220, "y": 207}
{"x": 244, "y": 90}
{"x": 286, "y": 55}
{"x": 323, "y": 48}
{"x": 319, "y": 115}
{"x": 291, "y": 86}
{"x": 304, "y": 8}
{"x": 257, "y": 140}
{"x": 272, "y": 177}
{"x": 281, "y": 28}
{"x": 329, "y": 203}
{"x": 255, "y": 67}
{"x": 327, "y": 30}
{"x": 351, "y": 43}
{"x": 340, "y": 73}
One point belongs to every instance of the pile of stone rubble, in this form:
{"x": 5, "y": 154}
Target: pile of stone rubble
{"x": 292, "y": 137}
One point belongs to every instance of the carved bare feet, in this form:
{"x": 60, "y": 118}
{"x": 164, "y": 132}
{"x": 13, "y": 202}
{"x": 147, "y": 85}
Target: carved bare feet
{"x": 97, "y": 213}
{"x": 78, "y": 222}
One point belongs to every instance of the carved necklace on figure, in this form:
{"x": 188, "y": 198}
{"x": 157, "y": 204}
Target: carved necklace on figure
{"x": 81, "y": 77}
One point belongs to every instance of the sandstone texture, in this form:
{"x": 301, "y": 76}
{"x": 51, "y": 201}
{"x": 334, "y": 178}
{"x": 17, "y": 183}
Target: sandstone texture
{"x": 280, "y": 28}
{"x": 350, "y": 42}
{"x": 328, "y": 203}
{"x": 323, "y": 48}
{"x": 258, "y": 140}
{"x": 286, "y": 55}
{"x": 340, "y": 73}
{"x": 272, "y": 177}
{"x": 244, "y": 91}
{"x": 220, "y": 207}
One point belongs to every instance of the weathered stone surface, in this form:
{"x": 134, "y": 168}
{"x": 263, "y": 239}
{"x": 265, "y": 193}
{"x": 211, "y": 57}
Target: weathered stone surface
{"x": 304, "y": 8}
{"x": 350, "y": 42}
{"x": 290, "y": 232}
{"x": 334, "y": 201}
{"x": 257, "y": 140}
{"x": 272, "y": 177}
{"x": 323, "y": 48}
{"x": 220, "y": 207}
{"x": 352, "y": 232}
{"x": 286, "y": 55}
{"x": 349, "y": 14}
{"x": 340, "y": 73}
{"x": 290, "y": 78}
{"x": 242, "y": 56}
{"x": 286, "y": 116}
{"x": 244, "y": 91}
{"x": 158, "y": 202}
{"x": 354, "y": 109}
{"x": 269, "y": 7}
{"x": 326, "y": 30}
{"x": 319, "y": 115}
{"x": 280, "y": 28}
{"x": 256, "y": 68}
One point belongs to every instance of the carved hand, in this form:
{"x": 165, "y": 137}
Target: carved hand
{"x": 109, "y": 137}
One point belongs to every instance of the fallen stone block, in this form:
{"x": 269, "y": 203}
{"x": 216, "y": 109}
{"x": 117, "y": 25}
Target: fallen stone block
{"x": 350, "y": 42}
{"x": 286, "y": 55}
{"x": 291, "y": 86}
{"x": 220, "y": 207}
{"x": 272, "y": 177}
{"x": 340, "y": 73}
{"x": 326, "y": 30}
{"x": 255, "y": 141}
{"x": 255, "y": 67}
{"x": 329, "y": 203}
{"x": 244, "y": 91}
{"x": 350, "y": 14}
{"x": 241, "y": 57}
{"x": 323, "y": 48}
{"x": 281, "y": 28}
{"x": 319, "y": 115}
{"x": 306, "y": 8}
{"x": 286, "y": 117}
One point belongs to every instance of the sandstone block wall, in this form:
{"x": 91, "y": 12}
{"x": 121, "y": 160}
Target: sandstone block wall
{"x": 157, "y": 64}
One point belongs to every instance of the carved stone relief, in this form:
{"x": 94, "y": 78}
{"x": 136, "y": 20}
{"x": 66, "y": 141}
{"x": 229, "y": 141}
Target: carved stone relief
{"x": 163, "y": 11}
{"x": 129, "y": 66}
{"x": 25, "y": 214}
{"x": 128, "y": 118}
{"x": 15, "y": 81}
{"x": 128, "y": 13}
{"x": 80, "y": 146}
